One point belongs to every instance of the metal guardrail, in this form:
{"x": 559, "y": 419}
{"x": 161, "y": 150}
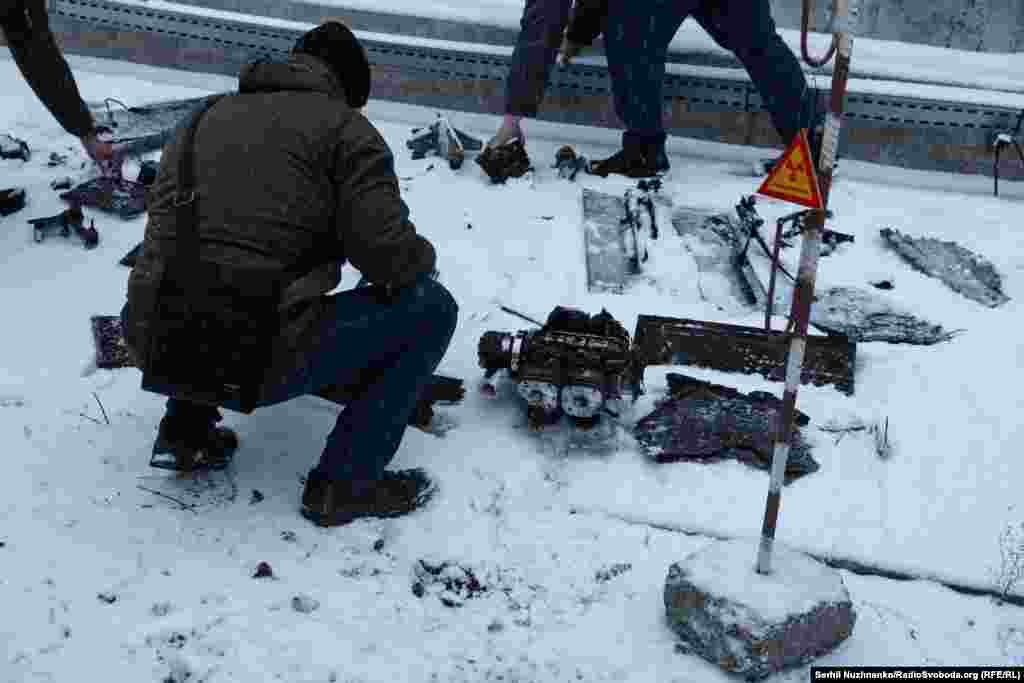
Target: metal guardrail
{"x": 934, "y": 134}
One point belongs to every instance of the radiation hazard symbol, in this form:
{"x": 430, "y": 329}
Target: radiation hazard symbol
{"x": 793, "y": 179}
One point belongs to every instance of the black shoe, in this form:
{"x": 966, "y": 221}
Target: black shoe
{"x": 505, "y": 161}
{"x": 632, "y": 163}
{"x": 191, "y": 450}
{"x": 328, "y": 502}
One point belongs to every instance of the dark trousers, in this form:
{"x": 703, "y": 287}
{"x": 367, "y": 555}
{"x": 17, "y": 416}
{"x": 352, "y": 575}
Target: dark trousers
{"x": 540, "y": 36}
{"x": 637, "y": 40}
{"x": 383, "y": 354}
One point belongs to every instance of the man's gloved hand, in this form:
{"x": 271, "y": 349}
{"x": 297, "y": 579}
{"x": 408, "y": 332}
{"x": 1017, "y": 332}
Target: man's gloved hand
{"x": 568, "y": 51}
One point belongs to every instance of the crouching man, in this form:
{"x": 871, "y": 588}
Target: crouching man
{"x": 290, "y": 179}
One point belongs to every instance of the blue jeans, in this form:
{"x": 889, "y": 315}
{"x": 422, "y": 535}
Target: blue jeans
{"x": 637, "y": 40}
{"x": 384, "y": 353}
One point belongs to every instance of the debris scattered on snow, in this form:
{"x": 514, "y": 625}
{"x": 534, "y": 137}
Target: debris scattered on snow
{"x": 444, "y": 140}
{"x": 960, "y": 269}
{"x": 737, "y": 348}
{"x": 14, "y": 148}
{"x": 568, "y": 164}
{"x": 124, "y": 198}
{"x": 109, "y": 343}
{"x": 304, "y": 604}
{"x": 12, "y": 199}
{"x": 704, "y": 422}
{"x": 864, "y": 316}
{"x": 450, "y": 582}
{"x": 712, "y": 241}
{"x": 263, "y": 571}
{"x": 256, "y": 497}
{"x": 107, "y": 597}
{"x": 609, "y": 573}
{"x": 161, "y": 609}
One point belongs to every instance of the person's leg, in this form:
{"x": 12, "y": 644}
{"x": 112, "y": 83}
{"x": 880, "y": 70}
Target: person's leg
{"x": 540, "y": 36}
{"x": 384, "y": 354}
{"x": 747, "y": 29}
{"x": 188, "y": 438}
{"x": 504, "y": 156}
{"x": 636, "y": 40}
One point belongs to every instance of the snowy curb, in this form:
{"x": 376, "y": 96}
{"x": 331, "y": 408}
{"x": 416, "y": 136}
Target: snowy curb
{"x": 752, "y": 624}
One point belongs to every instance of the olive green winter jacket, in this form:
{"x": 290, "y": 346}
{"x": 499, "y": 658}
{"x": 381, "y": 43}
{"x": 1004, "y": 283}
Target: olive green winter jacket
{"x": 286, "y": 173}
{"x": 26, "y": 29}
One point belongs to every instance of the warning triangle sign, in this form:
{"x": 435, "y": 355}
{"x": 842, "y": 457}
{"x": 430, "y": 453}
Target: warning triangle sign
{"x": 793, "y": 179}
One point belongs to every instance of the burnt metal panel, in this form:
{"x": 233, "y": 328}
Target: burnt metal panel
{"x": 749, "y": 350}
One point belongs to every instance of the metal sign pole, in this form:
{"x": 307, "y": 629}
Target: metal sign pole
{"x": 845, "y": 13}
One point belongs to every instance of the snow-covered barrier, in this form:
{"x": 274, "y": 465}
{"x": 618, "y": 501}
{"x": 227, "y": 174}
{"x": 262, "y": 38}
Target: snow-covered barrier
{"x": 960, "y": 269}
{"x": 751, "y": 624}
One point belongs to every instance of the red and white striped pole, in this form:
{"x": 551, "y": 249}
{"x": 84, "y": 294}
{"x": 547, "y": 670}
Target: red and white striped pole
{"x": 845, "y": 14}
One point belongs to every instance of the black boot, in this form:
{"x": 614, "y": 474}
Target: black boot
{"x": 328, "y": 502}
{"x": 505, "y": 161}
{"x": 632, "y": 161}
{"x": 188, "y": 446}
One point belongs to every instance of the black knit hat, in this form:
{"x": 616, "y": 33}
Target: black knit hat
{"x": 334, "y": 43}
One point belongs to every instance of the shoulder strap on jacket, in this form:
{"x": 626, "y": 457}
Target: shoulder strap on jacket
{"x": 187, "y": 247}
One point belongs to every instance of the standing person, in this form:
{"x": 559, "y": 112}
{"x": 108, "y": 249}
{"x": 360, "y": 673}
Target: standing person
{"x": 540, "y": 35}
{"x": 636, "y": 43}
{"x": 292, "y": 179}
{"x": 26, "y": 28}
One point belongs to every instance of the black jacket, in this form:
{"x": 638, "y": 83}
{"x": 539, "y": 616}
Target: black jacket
{"x": 26, "y": 29}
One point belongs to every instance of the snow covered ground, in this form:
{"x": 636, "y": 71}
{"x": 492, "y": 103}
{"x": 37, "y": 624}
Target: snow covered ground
{"x": 103, "y": 574}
